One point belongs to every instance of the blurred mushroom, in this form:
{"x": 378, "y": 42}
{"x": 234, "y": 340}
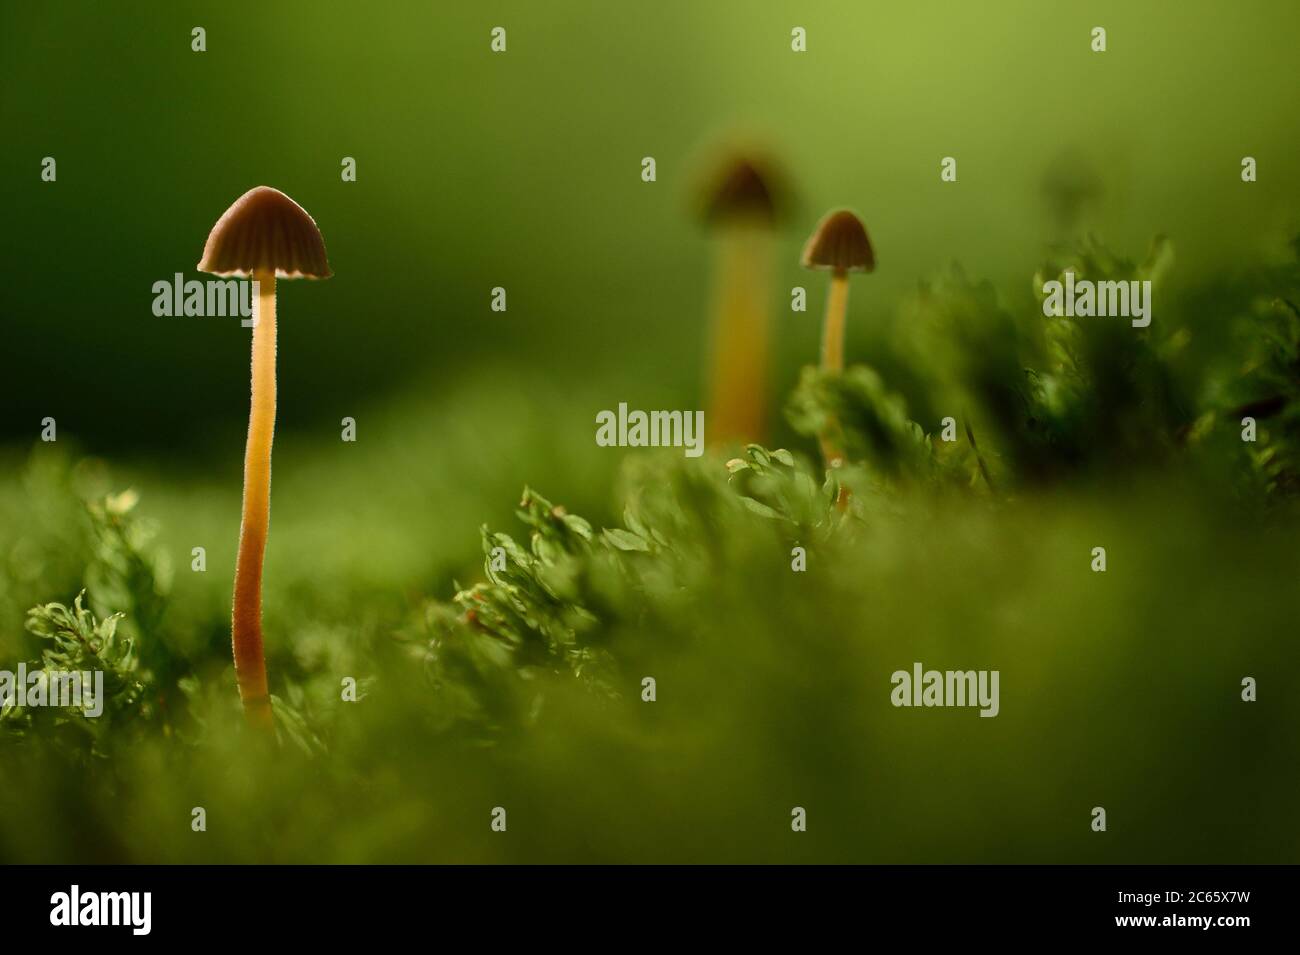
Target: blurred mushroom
{"x": 741, "y": 209}
{"x": 264, "y": 235}
{"x": 840, "y": 245}
{"x": 1070, "y": 187}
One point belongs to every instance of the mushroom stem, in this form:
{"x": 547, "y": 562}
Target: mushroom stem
{"x": 741, "y": 333}
{"x": 837, "y": 305}
{"x": 833, "y": 334}
{"x": 246, "y": 625}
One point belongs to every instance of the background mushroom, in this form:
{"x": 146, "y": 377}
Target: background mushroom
{"x": 265, "y": 235}
{"x": 838, "y": 244}
{"x": 741, "y": 207}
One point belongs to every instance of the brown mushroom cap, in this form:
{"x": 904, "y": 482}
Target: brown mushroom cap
{"x": 264, "y": 230}
{"x": 742, "y": 190}
{"x": 839, "y": 243}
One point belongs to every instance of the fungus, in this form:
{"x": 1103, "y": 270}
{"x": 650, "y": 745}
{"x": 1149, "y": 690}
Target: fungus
{"x": 265, "y": 235}
{"x": 839, "y": 245}
{"x": 742, "y": 205}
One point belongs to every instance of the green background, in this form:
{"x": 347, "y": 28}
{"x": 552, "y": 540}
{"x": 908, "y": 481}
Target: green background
{"x": 522, "y": 170}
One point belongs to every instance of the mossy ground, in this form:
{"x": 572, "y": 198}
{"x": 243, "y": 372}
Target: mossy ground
{"x": 1119, "y": 689}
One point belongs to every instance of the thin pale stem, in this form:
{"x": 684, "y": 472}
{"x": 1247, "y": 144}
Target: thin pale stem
{"x": 246, "y": 623}
{"x": 837, "y": 304}
{"x": 741, "y": 335}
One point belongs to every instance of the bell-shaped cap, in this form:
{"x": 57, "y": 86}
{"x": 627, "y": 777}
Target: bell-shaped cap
{"x": 264, "y": 230}
{"x": 743, "y": 189}
{"x": 839, "y": 243}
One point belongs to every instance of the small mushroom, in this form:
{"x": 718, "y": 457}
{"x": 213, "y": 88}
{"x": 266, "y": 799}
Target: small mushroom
{"x": 264, "y": 235}
{"x": 742, "y": 204}
{"x": 838, "y": 244}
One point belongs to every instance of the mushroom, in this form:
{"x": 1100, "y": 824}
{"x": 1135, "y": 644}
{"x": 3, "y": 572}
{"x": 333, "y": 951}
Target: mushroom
{"x": 264, "y": 235}
{"x": 741, "y": 208}
{"x": 838, "y": 244}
